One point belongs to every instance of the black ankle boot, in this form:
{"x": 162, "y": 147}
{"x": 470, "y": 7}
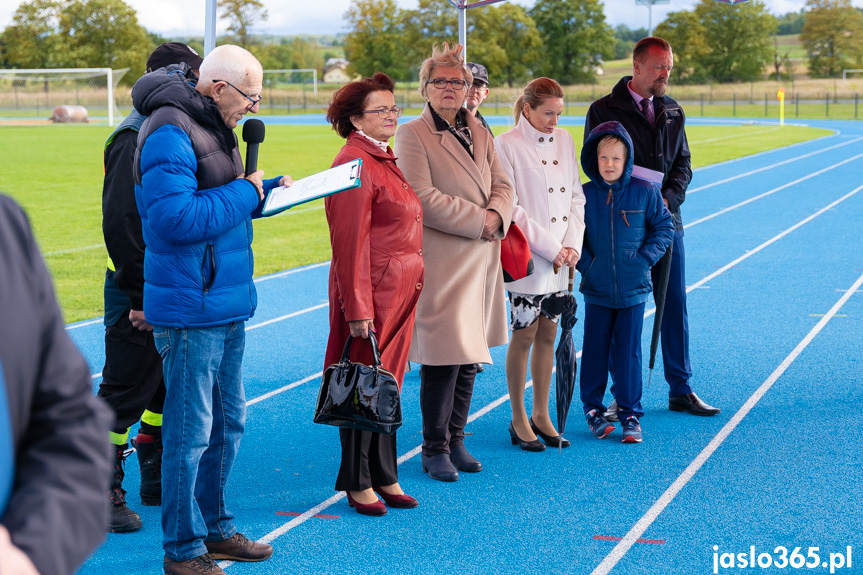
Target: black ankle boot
{"x": 122, "y": 519}
{"x": 149, "y": 449}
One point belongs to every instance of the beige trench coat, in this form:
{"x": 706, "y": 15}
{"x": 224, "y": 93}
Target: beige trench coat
{"x": 462, "y": 309}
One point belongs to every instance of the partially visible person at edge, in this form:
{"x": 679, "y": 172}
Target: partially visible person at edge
{"x": 655, "y": 123}
{"x": 628, "y": 229}
{"x": 132, "y": 382}
{"x": 54, "y": 453}
{"x": 450, "y": 161}
{"x": 541, "y": 163}
{"x": 196, "y": 207}
{"x": 375, "y": 278}
{"x": 477, "y": 93}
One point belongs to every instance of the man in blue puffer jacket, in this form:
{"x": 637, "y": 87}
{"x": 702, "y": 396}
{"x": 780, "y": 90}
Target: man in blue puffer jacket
{"x": 628, "y": 229}
{"x": 196, "y": 207}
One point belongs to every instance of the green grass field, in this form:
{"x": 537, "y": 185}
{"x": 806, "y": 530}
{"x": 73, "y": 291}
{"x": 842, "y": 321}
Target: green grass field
{"x": 56, "y": 173}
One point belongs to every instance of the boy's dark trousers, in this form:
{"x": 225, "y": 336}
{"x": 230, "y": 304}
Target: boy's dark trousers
{"x": 624, "y": 325}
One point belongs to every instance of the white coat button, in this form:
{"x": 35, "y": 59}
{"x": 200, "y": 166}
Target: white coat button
{"x": 553, "y": 220}
{"x": 542, "y": 139}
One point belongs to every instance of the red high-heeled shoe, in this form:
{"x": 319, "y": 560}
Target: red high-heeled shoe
{"x": 402, "y": 501}
{"x": 375, "y": 509}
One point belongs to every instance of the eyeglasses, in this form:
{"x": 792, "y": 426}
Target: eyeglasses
{"x": 254, "y": 101}
{"x": 478, "y": 86}
{"x": 384, "y": 112}
{"x": 441, "y": 83}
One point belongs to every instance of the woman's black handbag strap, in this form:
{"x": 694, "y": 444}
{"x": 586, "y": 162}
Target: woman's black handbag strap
{"x": 377, "y": 354}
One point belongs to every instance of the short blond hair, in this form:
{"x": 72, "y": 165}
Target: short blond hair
{"x": 445, "y": 57}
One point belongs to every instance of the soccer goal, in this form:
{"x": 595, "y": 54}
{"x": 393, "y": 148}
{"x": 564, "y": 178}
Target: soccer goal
{"x": 42, "y": 95}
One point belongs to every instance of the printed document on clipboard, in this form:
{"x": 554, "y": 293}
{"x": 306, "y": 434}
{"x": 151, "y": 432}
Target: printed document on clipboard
{"x": 312, "y": 187}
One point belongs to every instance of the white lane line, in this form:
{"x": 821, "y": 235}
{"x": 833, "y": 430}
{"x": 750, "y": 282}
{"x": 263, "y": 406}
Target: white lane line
{"x": 766, "y": 152}
{"x": 770, "y": 167}
{"x": 255, "y": 326}
{"x": 666, "y": 498}
{"x": 291, "y": 272}
{"x": 257, "y": 281}
{"x": 287, "y": 316}
{"x": 84, "y": 323}
{"x": 735, "y": 136}
{"x": 504, "y": 398}
{"x": 270, "y": 394}
{"x": 73, "y": 250}
{"x": 770, "y": 192}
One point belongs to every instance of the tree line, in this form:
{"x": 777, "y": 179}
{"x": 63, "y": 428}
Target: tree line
{"x": 565, "y": 39}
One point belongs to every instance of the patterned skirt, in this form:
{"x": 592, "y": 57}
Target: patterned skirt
{"x": 524, "y": 309}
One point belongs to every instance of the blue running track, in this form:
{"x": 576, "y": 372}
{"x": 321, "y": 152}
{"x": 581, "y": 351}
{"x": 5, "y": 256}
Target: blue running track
{"x": 775, "y": 273}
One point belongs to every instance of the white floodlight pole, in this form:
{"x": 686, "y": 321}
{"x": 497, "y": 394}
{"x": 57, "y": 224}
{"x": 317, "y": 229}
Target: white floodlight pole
{"x": 649, "y": 4}
{"x": 210, "y": 27}
{"x": 462, "y": 6}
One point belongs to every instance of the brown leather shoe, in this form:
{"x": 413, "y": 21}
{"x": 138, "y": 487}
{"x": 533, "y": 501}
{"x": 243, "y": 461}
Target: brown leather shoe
{"x": 691, "y": 403}
{"x": 239, "y": 548}
{"x": 200, "y": 565}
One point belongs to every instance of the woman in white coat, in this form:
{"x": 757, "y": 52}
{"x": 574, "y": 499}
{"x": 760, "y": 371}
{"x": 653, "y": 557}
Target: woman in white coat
{"x": 541, "y": 163}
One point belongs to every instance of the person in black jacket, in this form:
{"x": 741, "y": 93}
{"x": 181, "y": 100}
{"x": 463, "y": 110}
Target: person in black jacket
{"x": 54, "y": 457}
{"x": 656, "y": 124}
{"x": 132, "y": 381}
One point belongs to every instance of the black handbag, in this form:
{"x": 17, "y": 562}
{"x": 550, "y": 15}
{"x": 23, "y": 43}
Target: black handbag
{"x": 359, "y": 396}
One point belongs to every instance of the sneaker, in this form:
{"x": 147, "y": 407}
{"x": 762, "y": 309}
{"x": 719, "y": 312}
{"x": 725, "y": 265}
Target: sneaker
{"x": 239, "y": 548}
{"x": 631, "y": 430}
{"x": 200, "y": 565}
{"x": 598, "y": 424}
{"x": 611, "y": 413}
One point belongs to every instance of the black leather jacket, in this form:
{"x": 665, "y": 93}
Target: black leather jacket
{"x": 662, "y": 148}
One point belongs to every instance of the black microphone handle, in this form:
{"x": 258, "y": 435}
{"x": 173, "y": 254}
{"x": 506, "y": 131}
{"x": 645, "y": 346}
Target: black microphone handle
{"x": 251, "y": 158}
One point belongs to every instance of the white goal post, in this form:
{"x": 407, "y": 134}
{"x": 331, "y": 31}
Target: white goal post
{"x": 845, "y": 74}
{"x": 29, "y": 94}
{"x": 291, "y": 72}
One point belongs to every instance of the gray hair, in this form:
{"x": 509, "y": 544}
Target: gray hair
{"x": 445, "y": 57}
{"x": 230, "y": 63}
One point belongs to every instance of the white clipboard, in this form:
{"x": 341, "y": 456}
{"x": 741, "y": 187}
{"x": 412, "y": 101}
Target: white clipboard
{"x": 322, "y": 184}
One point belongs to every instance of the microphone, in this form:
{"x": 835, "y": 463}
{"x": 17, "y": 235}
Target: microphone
{"x": 253, "y": 134}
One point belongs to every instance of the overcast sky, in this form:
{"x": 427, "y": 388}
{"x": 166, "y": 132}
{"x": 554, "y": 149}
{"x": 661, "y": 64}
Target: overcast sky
{"x": 289, "y": 17}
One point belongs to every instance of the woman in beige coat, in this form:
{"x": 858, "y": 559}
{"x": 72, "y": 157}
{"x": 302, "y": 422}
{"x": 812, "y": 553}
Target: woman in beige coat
{"x": 449, "y": 160}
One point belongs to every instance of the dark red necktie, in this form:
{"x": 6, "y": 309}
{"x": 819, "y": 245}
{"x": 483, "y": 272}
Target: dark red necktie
{"x": 645, "y": 109}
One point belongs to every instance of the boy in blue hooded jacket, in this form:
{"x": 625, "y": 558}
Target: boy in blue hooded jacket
{"x": 628, "y": 229}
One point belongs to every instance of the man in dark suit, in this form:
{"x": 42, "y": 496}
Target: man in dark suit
{"x": 656, "y": 124}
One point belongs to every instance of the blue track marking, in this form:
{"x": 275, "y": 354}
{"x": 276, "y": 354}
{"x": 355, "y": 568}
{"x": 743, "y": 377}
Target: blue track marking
{"x": 785, "y": 472}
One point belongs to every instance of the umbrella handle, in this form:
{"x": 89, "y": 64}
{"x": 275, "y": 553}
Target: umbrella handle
{"x": 571, "y": 278}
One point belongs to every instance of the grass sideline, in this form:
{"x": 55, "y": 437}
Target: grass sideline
{"x": 58, "y": 172}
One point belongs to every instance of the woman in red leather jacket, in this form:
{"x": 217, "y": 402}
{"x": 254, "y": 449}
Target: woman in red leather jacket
{"x": 375, "y": 278}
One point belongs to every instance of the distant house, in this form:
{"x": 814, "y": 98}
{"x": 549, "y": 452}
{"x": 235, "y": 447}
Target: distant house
{"x": 336, "y": 71}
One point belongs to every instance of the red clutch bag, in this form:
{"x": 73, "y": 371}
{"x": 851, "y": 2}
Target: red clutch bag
{"x": 515, "y": 255}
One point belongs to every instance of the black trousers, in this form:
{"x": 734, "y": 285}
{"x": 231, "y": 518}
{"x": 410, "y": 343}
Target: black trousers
{"x": 445, "y": 394}
{"x": 368, "y": 460}
{"x": 132, "y": 377}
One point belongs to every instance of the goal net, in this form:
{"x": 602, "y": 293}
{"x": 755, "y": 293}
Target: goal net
{"x": 285, "y": 91}
{"x": 64, "y": 94}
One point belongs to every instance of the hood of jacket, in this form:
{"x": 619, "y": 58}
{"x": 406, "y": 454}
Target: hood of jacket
{"x": 590, "y": 163}
{"x": 169, "y": 87}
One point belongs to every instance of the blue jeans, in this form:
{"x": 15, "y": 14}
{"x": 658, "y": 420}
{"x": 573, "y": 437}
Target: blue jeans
{"x": 204, "y": 418}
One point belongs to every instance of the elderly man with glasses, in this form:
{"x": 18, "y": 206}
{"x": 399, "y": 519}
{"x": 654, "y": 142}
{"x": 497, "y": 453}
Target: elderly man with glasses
{"x": 196, "y": 205}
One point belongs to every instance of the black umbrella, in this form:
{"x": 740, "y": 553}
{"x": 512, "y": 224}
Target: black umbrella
{"x": 661, "y": 273}
{"x": 565, "y": 357}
